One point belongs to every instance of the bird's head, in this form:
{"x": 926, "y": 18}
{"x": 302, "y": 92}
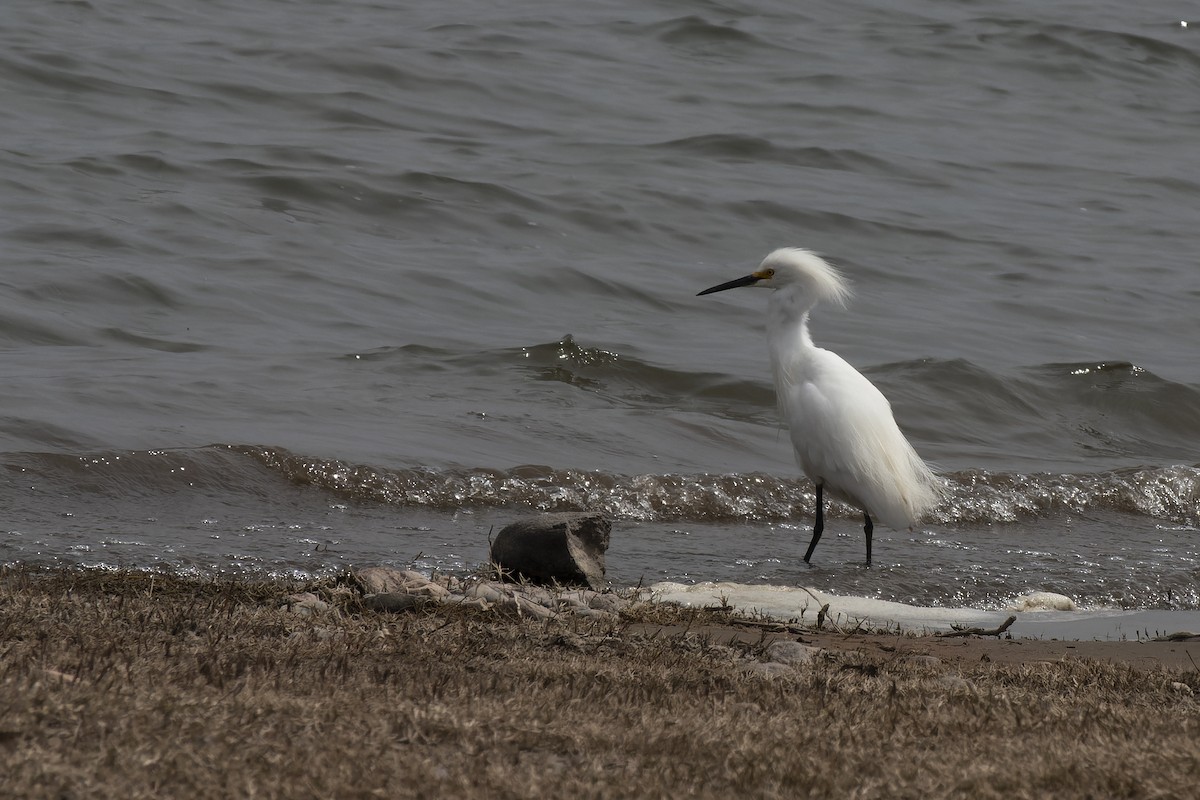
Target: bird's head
{"x": 793, "y": 267}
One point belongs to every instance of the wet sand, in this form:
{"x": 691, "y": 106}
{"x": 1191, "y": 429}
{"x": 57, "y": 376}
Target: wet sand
{"x": 967, "y": 650}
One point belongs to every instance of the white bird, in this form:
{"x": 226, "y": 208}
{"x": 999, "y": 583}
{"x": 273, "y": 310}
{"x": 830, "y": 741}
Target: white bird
{"x": 846, "y": 439}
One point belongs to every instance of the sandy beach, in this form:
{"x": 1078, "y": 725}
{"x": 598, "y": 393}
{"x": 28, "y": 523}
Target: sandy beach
{"x": 136, "y": 685}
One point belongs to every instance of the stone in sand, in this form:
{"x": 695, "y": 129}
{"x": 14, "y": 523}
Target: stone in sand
{"x": 306, "y": 604}
{"x": 785, "y": 651}
{"x": 564, "y": 548}
{"x": 388, "y": 579}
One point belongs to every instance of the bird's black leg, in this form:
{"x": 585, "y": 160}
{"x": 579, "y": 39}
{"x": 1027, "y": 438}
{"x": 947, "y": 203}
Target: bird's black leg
{"x": 867, "y": 529}
{"x": 819, "y": 525}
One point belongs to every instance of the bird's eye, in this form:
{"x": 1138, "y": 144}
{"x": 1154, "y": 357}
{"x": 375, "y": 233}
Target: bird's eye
{"x": 770, "y": 273}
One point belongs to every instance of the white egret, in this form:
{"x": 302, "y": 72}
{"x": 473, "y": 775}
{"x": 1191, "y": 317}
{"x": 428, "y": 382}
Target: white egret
{"x": 846, "y": 439}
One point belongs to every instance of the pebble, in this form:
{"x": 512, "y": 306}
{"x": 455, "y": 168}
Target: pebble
{"x": 785, "y": 651}
{"x": 306, "y": 604}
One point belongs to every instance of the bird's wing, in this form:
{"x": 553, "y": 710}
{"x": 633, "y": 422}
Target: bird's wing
{"x": 845, "y": 436}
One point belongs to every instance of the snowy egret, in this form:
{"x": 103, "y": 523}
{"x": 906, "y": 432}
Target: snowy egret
{"x": 846, "y": 439}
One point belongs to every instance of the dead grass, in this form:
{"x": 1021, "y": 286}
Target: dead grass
{"x": 125, "y": 685}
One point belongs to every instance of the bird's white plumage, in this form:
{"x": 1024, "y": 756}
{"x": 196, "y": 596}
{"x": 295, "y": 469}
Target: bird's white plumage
{"x": 842, "y": 428}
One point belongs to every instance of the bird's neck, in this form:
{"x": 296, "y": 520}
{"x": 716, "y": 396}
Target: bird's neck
{"x": 787, "y": 316}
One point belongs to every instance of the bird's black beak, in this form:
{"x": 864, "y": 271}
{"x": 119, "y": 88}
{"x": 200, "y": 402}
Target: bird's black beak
{"x": 749, "y": 280}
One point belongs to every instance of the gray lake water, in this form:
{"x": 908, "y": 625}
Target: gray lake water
{"x": 291, "y": 286}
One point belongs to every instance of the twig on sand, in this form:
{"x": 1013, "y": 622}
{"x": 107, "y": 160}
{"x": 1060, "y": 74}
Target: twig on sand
{"x": 823, "y": 613}
{"x": 979, "y": 631}
{"x": 770, "y": 625}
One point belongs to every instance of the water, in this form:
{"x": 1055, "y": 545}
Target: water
{"x": 292, "y": 286}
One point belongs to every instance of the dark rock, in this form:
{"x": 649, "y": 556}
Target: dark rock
{"x": 566, "y": 548}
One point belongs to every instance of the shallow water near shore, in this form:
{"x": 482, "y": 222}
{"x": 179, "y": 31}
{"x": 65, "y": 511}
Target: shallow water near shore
{"x": 292, "y": 288}
{"x": 247, "y": 512}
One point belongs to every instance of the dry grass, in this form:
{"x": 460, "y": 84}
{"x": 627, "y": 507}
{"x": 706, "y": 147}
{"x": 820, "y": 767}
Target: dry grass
{"x": 122, "y": 685}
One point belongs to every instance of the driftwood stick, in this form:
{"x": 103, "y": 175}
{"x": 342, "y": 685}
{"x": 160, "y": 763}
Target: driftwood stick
{"x": 980, "y": 631}
{"x": 769, "y": 625}
{"x": 1178, "y": 636}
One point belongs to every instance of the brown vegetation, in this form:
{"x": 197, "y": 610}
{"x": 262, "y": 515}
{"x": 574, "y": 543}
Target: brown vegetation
{"x": 130, "y": 685}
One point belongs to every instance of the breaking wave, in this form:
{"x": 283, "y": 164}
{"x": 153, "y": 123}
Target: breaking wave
{"x": 973, "y": 497}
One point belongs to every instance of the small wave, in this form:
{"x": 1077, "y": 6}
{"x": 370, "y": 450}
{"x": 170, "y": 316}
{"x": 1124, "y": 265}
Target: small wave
{"x": 618, "y": 378}
{"x": 973, "y": 497}
{"x": 1043, "y": 417}
{"x": 741, "y": 148}
{"x": 1086, "y": 46}
{"x": 637, "y": 497}
{"x": 697, "y": 34}
{"x": 629, "y": 381}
